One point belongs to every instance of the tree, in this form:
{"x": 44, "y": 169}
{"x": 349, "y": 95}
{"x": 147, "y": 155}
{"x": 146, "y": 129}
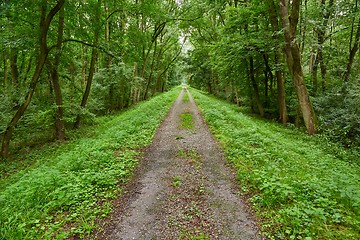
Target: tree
{"x": 45, "y": 21}
{"x": 293, "y": 59}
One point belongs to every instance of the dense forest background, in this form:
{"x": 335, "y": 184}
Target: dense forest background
{"x": 64, "y": 62}
{"x": 293, "y": 61}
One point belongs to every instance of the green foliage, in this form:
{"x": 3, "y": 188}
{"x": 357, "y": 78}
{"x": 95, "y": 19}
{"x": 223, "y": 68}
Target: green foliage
{"x": 297, "y": 185}
{"x": 70, "y": 186}
{"x": 340, "y": 114}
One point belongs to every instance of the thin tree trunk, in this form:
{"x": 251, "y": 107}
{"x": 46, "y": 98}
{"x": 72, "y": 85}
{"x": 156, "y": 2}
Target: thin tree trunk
{"x": 352, "y": 54}
{"x": 6, "y": 83}
{"x": 237, "y": 97}
{"x": 59, "y": 115}
{"x": 84, "y": 65}
{"x": 94, "y": 57}
{"x": 314, "y": 74}
{"x": 269, "y": 78}
{"x": 283, "y": 115}
{"x": 158, "y": 63}
{"x": 255, "y": 87}
{"x": 14, "y": 68}
{"x": 151, "y": 71}
{"x": 319, "y": 59}
{"x": 45, "y": 21}
{"x": 289, "y": 22}
{"x": 108, "y": 59}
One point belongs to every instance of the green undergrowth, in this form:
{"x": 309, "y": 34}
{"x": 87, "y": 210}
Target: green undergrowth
{"x": 70, "y": 186}
{"x": 301, "y": 187}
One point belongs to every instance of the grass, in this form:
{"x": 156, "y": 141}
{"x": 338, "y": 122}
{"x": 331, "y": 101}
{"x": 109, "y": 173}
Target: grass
{"x": 186, "y": 98}
{"x": 301, "y": 187}
{"x": 67, "y": 188}
{"x": 191, "y": 155}
{"x": 176, "y": 182}
{"x": 186, "y": 121}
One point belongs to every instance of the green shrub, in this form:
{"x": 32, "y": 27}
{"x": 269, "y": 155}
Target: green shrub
{"x": 339, "y": 112}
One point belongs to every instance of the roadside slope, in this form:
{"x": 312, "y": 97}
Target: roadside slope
{"x": 71, "y": 186}
{"x": 299, "y": 188}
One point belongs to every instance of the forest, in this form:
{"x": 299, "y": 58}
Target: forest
{"x": 70, "y": 69}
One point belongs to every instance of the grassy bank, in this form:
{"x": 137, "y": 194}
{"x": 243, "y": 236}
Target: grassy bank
{"x": 301, "y": 187}
{"x": 68, "y": 187}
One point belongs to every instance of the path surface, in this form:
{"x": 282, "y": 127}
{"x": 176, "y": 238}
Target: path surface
{"x": 186, "y": 190}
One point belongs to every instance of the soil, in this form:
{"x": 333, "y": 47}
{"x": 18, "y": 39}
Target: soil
{"x": 183, "y": 188}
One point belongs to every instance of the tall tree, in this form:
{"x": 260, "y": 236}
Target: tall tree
{"x": 283, "y": 116}
{"x": 45, "y": 21}
{"x": 293, "y": 59}
{"x": 94, "y": 58}
{"x": 54, "y": 68}
{"x": 354, "y": 47}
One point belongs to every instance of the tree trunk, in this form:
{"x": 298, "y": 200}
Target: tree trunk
{"x": 319, "y": 59}
{"x": 255, "y": 87}
{"x": 283, "y": 116}
{"x": 14, "y": 68}
{"x": 269, "y": 78}
{"x": 83, "y": 65}
{"x": 59, "y": 115}
{"x": 352, "y": 54}
{"x": 289, "y": 22}
{"x": 45, "y": 21}
{"x": 94, "y": 57}
{"x": 151, "y": 71}
{"x": 6, "y": 83}
{"x": 314, "y": 73}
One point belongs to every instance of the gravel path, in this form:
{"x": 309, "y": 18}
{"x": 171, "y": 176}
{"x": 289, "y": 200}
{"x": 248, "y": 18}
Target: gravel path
{"x": 184, "y": 189}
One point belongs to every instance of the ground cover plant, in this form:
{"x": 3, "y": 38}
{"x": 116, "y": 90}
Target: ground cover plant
{"x": 301, "y": 187}
{"x": 70, "y": 186}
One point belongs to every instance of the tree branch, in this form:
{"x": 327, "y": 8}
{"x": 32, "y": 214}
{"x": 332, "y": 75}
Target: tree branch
{"x": 86, "y": 44}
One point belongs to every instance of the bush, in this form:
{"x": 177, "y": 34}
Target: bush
{"x": 339, "y": 114}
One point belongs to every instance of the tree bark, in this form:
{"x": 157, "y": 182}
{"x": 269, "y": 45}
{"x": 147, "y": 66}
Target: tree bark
{"x": 255, "y": 87}
{"x": 59, "y": 115}
{"x": 6, "y": 83}
{"x": 293, "y": 58}
{"x": 45, "y": 21}
{"x": 283, "y": 115}
{"x": 94, "y": 57}
{"x": 151, "y": 72}
{"x": 269, "y": 78}
{"x": 14, "y": 67}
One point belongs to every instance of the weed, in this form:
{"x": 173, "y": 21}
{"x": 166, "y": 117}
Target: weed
{"x": 191, "y": 155}
{"x": 186, "y": 121}
{"x": 176, "y": 182}
{"x": 190, "y": 235}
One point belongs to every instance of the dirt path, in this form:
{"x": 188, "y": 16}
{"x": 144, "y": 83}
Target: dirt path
{"x": 185, "y": 191}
